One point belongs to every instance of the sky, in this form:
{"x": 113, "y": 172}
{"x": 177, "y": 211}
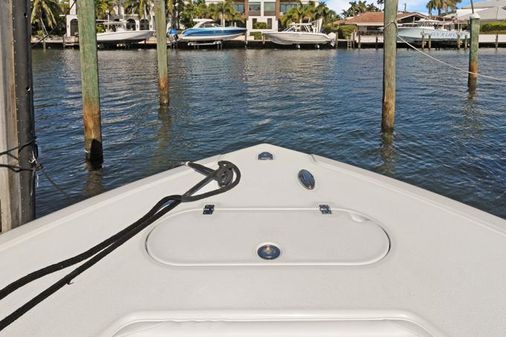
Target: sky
{"x": 411, "y": 5}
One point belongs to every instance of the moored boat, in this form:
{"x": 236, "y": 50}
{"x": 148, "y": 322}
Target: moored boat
{"x": 300, "y": 34}
{"x": 116, "y": 32}
{"x": 438, "y": 31}
{"x": 207, "y": 30}
{"x": 276, "y": 243}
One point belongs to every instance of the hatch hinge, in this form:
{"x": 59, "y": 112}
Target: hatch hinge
{"x": 208, "y": 210}
{"x": 325, "y": 209}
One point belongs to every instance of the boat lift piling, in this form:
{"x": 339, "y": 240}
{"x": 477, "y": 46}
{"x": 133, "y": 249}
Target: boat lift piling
{"x": 161, "y": 51}
{"x": 89, "y": 82}
{"x": 389, "y": 59}
{"x": 17, "y": 131}
{"x": 473, "y": 52}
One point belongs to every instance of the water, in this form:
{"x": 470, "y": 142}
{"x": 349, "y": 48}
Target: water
{"x": 326, "y": 102}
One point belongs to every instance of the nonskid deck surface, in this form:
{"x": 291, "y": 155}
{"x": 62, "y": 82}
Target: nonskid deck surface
{"x": 360, "y": 254}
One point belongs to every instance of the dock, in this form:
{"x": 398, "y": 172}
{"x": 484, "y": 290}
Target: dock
{"x": 354, "y": 42}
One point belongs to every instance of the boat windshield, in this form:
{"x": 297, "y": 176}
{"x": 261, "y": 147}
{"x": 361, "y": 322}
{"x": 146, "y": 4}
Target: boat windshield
{"x": 209, "y": 25}
{"x": 305, "y": 28}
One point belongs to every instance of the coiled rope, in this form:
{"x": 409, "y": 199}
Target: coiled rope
{"x": 227, "y": 175}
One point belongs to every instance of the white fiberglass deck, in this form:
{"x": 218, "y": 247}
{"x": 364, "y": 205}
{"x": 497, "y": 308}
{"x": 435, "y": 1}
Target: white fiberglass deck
{"x": 389, "y": 260}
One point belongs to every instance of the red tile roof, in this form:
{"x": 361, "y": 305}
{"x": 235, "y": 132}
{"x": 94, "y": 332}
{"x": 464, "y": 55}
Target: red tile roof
{"x": 374, "y": 18}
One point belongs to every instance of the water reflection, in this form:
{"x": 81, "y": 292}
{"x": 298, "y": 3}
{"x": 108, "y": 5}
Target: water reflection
{"x": 160, "y": 159}
{"x": 387, "y": 154}
{"x": 94, "y": 185}
{"x": 471, "y": 125}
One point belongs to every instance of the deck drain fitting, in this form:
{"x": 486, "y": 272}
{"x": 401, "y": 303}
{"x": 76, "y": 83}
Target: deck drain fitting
{"x": 268, "y": 252}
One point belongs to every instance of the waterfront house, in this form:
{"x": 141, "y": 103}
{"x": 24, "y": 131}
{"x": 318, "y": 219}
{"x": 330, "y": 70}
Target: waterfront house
{"x": 133, "y": 21}
{"x": 371, "y": 23}
{"x": 261, "y": 16}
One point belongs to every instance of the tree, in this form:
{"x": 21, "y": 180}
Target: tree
{"x": 223, "y": 11}
{"x": 307, "y": 13}
{"x": 325, "y": 13}
{"x": 295, "y": 14}
{"x": 439, "y": 5}
{"x": 140, "y": 7}
{"x": 45, "y": 12}
{"x": 105, "y": 8}
{"x": 357, "y": 7}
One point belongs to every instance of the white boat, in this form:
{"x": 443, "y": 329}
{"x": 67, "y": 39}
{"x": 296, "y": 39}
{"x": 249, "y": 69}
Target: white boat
{"x": 116, "y": 32}
{"x": 295, "y": 245}
{"x": 208, "y": 30}
{"x": 302, "y": 33}
{"x": 439, "y": 31}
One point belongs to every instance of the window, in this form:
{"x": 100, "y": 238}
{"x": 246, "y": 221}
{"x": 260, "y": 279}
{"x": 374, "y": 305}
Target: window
{"x": 286, "y": 6}
{"x": 254, "y": 8}
{"x": 144, "y": 24}
{"x": 239, "y": 7}
{"x": 130, "y": 24}
{"x": 269, "y": 8}
{"x": 269, "y": 23}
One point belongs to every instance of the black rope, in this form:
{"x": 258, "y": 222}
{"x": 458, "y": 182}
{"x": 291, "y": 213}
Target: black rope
{"x": 227, "y": 175}
{"x": 18, "y": 168}
{"x": 19, "y": 148}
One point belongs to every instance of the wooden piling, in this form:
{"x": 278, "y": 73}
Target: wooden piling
{"x": 17, "y": 190}
{"x": 458, "y": 41}
{"x": 430, "y": 42}
{"x": 10, "y": 198}
{"x": 496, "y": 41}
{"x": 376, "y": 43}
{"x": 89, "y": 81}
{"x": 22, "y": 31}
{"x": 359, "y": 41}
{"x": 161, "y": 51}
{"x": 473, "y": 52}
{"x": 423, "y": 41}
{"x": 389, "y": 60}
{"x": 465, "y": 42}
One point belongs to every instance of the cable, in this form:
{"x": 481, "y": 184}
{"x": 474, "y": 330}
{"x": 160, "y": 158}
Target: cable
{"x": 227, "y": 175}
{"x": 450, "y": 65}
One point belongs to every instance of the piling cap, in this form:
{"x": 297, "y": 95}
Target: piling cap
{"x": 474, "y": 16}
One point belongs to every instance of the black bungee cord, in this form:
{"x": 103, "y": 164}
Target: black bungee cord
{"x": 227, "y": 175}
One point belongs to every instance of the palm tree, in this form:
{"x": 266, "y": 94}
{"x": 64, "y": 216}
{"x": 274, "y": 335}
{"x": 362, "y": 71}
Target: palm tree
{"x": 105, "y": 8}
{"x": 450, "y": 4}
{"x": 325, "y": 13}
{"x": 297, "y": 14}
{"x": 356, "y": 7}
{"x": 140, "y": 7}
{"x": 434, "y": 4}
{"x": 309, "y": 11}
{"x": 45, "y": 12}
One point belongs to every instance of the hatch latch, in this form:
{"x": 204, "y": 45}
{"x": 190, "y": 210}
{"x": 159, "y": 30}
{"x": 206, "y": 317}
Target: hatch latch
{"x": 325, "y": 209}
{"x": 208, "y": 210}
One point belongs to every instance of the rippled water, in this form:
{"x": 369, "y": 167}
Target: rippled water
{"x": 326, "y": 102}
